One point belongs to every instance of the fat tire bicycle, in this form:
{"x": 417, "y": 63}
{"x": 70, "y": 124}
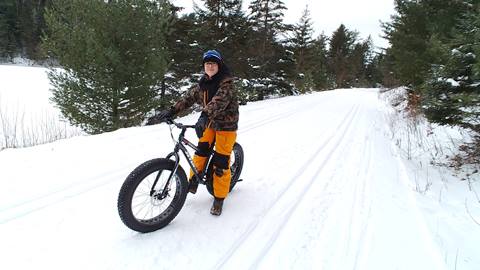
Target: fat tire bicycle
{"x": 153, "y": 194}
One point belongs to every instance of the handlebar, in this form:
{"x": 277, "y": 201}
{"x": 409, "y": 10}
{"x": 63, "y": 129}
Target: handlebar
{"x": 170, "y": 121}
{"x": 181, "y": 126}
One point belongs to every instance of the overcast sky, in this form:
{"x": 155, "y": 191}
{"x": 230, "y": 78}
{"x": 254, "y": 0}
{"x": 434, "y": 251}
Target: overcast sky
{"x": 363, "y": 16}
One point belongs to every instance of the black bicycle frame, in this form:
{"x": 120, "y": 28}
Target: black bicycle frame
{"x": 181, "y": 146}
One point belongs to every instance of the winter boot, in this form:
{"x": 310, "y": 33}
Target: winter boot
{"x": 216, "y": 209}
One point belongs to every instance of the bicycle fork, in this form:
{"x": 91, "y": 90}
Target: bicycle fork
{"x": 176, "y": 159}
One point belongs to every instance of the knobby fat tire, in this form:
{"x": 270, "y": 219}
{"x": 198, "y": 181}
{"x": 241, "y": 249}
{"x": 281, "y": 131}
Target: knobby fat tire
{"x": 134, "y": 179}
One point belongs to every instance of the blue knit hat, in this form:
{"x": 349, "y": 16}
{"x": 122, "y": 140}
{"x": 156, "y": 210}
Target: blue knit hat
{"x": 212, "y": 56}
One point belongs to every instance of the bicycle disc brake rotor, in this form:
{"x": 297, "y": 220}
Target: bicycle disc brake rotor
{"x": 157, "y": 199}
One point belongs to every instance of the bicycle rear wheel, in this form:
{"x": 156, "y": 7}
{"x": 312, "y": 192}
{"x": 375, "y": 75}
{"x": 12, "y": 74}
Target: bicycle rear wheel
{"x": 236, "y": 166}
{"x": 145, "y": 208}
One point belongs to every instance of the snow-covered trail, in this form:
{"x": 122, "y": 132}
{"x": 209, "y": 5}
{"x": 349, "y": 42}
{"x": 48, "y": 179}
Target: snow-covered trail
{"x": 337, "y": 206}
{"x": 323, "y": 189}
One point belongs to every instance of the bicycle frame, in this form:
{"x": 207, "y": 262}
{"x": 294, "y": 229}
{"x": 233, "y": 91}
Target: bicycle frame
{"x": 180, "y": 145}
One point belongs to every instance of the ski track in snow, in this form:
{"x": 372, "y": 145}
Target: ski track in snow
{"x": 344, "y": 124}
{"x": 323, "y": 212}
{"x": 21, "y": 209}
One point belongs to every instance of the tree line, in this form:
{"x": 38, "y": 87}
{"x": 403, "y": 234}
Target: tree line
{"x": 122, "y": 59}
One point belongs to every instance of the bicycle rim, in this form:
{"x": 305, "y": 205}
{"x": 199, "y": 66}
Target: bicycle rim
{"x": 148, "y": 205}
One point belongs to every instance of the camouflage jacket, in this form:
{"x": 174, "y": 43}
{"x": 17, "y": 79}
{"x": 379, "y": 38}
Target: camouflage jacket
{"x": 222, "y": 108}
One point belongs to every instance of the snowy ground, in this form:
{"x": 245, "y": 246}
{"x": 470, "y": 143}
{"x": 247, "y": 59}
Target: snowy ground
{"x": 325, "y": 187}
{"x": 27, "y": 117}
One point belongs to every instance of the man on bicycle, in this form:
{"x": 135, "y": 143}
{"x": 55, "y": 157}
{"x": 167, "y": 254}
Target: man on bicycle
{"x": 218, "y": 123}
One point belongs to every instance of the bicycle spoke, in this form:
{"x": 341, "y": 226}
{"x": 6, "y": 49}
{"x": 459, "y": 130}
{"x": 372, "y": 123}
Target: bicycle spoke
{"x": 143, "y": 190}
{"x": 141, "y": 194}
{"x": 148, "y": 211}
{"x": 138, "y": 212}
{"x": 138, "y": 204}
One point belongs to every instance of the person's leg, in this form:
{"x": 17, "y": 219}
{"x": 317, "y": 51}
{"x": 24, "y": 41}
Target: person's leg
{"x": 224, "y": 142}
{"x": 200, "y": 157}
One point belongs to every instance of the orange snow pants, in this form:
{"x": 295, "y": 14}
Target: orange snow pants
{"x": 224, "y": 141}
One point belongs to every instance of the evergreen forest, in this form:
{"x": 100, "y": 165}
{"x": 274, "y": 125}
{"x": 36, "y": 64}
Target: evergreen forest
{"x": 122, "y": 59}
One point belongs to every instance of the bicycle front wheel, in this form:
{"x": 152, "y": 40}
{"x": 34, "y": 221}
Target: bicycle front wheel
{"x": 145, "y": 206}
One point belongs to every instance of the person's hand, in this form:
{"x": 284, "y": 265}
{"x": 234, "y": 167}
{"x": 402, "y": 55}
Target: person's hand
{"x": 201, "y": 125}
{"x": 160, "y": 117}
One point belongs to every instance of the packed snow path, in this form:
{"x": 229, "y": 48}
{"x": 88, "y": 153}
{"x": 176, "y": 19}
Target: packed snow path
{"x": 323, "y": 189}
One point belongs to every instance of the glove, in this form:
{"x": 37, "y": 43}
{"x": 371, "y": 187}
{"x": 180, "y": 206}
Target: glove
{"x": 201, "y": 125}
{"x": 160, "y": 117}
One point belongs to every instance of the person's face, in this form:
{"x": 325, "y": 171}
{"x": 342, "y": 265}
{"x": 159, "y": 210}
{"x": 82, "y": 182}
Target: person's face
{"x": 211, "y": 68}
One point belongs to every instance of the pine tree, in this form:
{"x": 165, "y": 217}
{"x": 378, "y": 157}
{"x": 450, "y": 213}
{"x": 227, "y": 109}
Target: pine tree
{"x": 185, "y": 52}
{"x": 219, "y": 12}
{"x": 268, "y": 78}
{"x": 411, "y": 31}
{"x": 31, "y": 24}
{"x": 180, "y": 64}
{"x": 113, "y": 58}
{"x": 302, "y": 40}
{"x": 8, "y": 44}
{"x": 302, "y": 46}
{"x": 341, "y": 46}
{"x": 319, "y": 65}
{"x": 373, "y": 71}
{"x": 473, "y": 19}
{"x": 234, "y": 44}
{"x": 408, "y": 35}
{"x": 266, "y": 17}
{"x": 451, "y": 95}
{"x": 385, "y": 63}
{"x": 359, "y": 61}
